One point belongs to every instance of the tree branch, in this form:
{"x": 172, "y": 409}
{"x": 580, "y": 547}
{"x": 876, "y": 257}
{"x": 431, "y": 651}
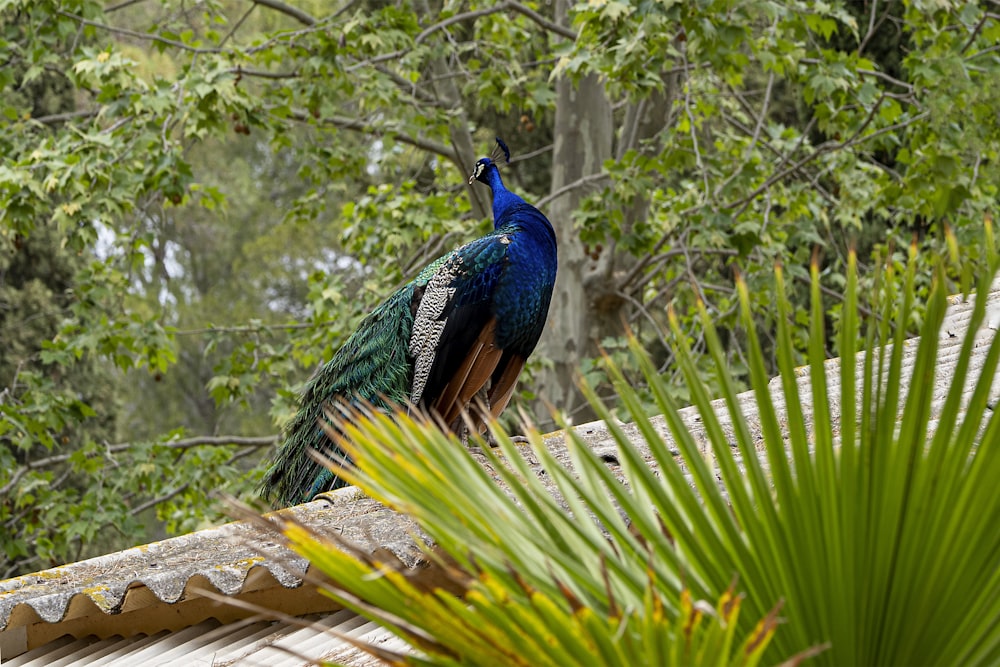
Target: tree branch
{"x": 975, "y": 32}
{"x": 754, "y": 137}
{"x": 67, "y": 116}
{"x": 657, "y": 260}
{"x": 122, "y": 5}
{"x": 569, "y": 187}
{"x": 527, "y": 156}
{"x": 153, "y": 502}
{"x": 239, "y": 71}
{"x": 541, "y": 20}
{"x": 410, "y": 87}
{"x": 244, "y": 329}
{"x": 828, "y": 147}
{"x": 146, "y": 37}
{"x": 511, "y": 5}
{"x": 296, "y": 13}
{"x": 367, "y": 128}
{"x": 216, "y": 440}
{"x": 184, "y": 443}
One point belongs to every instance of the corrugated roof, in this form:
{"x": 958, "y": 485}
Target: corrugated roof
{"x": 210, "y": 643}
{"x": 145, "y": 590}
{"x": 157, "y": 586}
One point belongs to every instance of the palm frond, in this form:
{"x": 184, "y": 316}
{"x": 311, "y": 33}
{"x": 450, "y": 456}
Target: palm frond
{"x": 872, "y": 524}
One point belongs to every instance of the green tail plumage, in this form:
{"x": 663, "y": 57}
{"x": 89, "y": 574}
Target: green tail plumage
{"x": 371, "y": 366}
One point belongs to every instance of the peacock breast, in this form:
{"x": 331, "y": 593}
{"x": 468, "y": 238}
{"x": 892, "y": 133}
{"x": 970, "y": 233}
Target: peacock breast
{"x": 522, "y": 299}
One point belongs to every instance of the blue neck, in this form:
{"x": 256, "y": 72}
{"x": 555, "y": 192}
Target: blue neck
{"x": 502, "y": 197}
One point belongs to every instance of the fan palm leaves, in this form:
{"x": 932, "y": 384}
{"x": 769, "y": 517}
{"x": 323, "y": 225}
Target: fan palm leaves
{"x": 871, "y": 525}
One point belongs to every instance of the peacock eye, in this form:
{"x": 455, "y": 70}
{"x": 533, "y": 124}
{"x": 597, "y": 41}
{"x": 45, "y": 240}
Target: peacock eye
{"x": 480, "y": 166}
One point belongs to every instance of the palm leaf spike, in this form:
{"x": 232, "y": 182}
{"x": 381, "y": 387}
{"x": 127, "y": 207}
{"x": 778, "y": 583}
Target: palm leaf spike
{"x": 521, "y": 625}
{"x": 775, "y": 546}
{"x": 886, "y": 497}
{"x": 749, "y": 489}
{"x": 935, "y": 507}
{"x": 847, "y": 460}
{"x": 700, "y": 520}
{"x": 646, "y": 504}
{"x": 807, "y": 480}
{"x": 553, "y": 574}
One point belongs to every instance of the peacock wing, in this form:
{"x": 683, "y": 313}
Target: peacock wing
{"x": 453, "y": 345}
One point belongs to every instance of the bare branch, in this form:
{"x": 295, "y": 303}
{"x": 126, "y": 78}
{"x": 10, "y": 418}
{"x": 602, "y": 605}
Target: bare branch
{"x": 296, "y": 13}
{"x": 410, "y": 87}
{"x": 755, "y": 137}
{"x": 67, "y": 116}
{"x": 975, "y": 32}
{"x": 786, "y": 157}
{"x": 434, "y": 247}
{"x": 644, "y": 261}
{"x": 288, "y": 37}
{"x": 184, "y": 443}
{"x": 640, "y": 309}
{"x": 763, "y": 111}
{"x": 654, "y": 262}
{"x": 146, "y": 37}
{"x": 535, "y": 153}
{"x": 367, "y": 128}
{"x": 214, "y": 440}
{"x": 569, "y": 187}
{"x": 871, "y": 26}
{"x": 244, "y": 329}
{"x": 122, "y": 5}
{"x": 828, "y": 147}
{"x": 839, "y": 296}
{"x": 983, "y": 52}
{"x": 236, "y": 26}
{"x": 263, "y": 74}
{"x": 511, "y": 5}
{"x": 699, "y": 163}
{"x": 541, "y": 20}
{"x": 153, "y": 502}
{"x": 15, "y": 478}
{"x": 874, "y": 25}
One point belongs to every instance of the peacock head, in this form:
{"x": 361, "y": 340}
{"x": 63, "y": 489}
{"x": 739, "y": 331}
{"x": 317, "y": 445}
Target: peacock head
{"x": 482, "y": 165}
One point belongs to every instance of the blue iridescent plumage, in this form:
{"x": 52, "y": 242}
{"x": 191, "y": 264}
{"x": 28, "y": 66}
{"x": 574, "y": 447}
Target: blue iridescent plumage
{"x": 463, "y": 327}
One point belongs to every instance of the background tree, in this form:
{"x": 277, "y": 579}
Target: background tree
{"x": 228, "y": 186}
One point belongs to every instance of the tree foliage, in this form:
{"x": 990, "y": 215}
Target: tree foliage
{"x": 228, "y": 186}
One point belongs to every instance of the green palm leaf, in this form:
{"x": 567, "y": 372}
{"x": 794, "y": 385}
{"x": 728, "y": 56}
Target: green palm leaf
{"x": 873, "y": 525}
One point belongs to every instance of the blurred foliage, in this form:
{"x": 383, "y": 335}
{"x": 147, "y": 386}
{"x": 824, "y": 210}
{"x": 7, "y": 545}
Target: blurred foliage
{"x": 198, "y": 202}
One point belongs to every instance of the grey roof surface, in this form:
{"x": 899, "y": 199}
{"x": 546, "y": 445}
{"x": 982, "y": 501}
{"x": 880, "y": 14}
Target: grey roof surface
{"x": 210, "y": 643}
{"x": 171, "y": 572}
{"x": 228, "y": 559}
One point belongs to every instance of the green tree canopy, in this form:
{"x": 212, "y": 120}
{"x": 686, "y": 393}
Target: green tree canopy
{"x": 227, "y": 187}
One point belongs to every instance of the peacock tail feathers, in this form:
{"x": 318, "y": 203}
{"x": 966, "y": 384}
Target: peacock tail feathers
{"x": 371, "y": 366}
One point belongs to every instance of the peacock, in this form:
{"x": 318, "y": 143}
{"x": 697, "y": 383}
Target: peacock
{"x": 455, "y": 337}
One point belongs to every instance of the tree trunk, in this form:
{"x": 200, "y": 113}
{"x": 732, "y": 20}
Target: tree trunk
{"x": 584, "y": 132}
{"x": 604, "y": 277}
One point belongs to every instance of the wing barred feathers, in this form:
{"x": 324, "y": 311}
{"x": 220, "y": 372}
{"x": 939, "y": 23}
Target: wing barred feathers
{"x": 428, "y": 326}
